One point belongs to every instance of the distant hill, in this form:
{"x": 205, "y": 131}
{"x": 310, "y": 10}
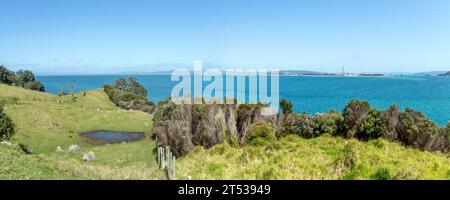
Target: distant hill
{"x": 282, "y": 73}
{"x": 302, "y": 73}
{"x": 445, "y": 74}
{"x": 146, "y": 73}
{"x": 431, "y": 73}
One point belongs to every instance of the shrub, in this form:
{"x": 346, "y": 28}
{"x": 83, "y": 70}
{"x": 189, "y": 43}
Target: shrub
{"x": 301, "y": 125}
{"x": 286, "y": 106}
{"x": 390, "y": 119}
{"x": 382, "y": 174}
{"x": 354, "y": 114}
{"x": 326, "y": 123}
{"x": 416, "y": 130}
{"x": 372, "y": 127}
{"x": 231, "y": 138}
{"x": 7, "y": 127}
{"x": 306, "y": 126}
{"x": 129, "y": 94}
{"x": 260, "y": 134}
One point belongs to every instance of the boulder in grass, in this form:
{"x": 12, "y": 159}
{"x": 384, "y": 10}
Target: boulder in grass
{"x": 26, "y": 149}
{"x": 6, "y": 143}
{"x": 59, "y": 149}
{"x": 89, "y": 156}
{"x": 74, "y": 148}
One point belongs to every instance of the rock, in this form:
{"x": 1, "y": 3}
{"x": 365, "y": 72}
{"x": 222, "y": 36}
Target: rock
{"x": 6, "y": 143}
{"x": 59, "y": 149}
{"x": 26, "y": 149}
{"x": 74, "y": 148}
{"x": 89, "y": 156}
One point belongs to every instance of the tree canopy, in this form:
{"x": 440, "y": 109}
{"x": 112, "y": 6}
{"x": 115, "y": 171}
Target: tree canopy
{"x": 22, "y": 78}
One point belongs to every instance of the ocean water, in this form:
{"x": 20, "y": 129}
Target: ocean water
{"x": 430, "y": 95}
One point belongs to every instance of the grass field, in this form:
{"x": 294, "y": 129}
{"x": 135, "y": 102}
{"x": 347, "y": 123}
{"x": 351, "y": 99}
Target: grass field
{"x": 326, "y": 157}
{"x": 45, "y": 121}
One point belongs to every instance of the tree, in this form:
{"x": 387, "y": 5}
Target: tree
{"x": 6, "y": 76}
{"x": 286, "y": 106}
{"x": 136, "y": 88}
{"x": 130, "y": 85}
{"x": 24, "y": 76}
{"x": 6, "y": 126}
{"x": 120, "y": 84}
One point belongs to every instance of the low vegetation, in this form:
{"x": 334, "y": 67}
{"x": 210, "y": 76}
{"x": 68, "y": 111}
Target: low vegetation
{"x": 359, "y": 120}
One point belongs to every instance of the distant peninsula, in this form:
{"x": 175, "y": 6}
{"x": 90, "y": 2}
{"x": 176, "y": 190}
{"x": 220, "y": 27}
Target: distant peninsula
{"x": 445, "y": 74}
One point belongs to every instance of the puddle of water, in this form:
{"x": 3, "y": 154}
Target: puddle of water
{"x": 113, "y": 136}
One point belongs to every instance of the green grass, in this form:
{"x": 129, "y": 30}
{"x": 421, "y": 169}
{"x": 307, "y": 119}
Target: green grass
{"x": 17, "y": 165}
{"x": 292, "y": 157}
{"x": 45, "y": 121}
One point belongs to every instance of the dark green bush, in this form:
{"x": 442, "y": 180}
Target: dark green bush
{"x": 416, "y": 130}
{"x": 326, "y": 123}
{"x": 382, "y": 174}
{"x": 129, "y": 94}
{"x": 309, "y": 127}
{"x": 354, "y": 114}
{"x": 301, "y": 125}
{"x": 6, "y": 76}
{"x": 390, "y": 119}
{"x": 286, "y": 106}
{"x": 7, "y": 127}
{"x": 260, "y": 134}
{"x": 372, "y": 127}
{"x": 22, "y": 78}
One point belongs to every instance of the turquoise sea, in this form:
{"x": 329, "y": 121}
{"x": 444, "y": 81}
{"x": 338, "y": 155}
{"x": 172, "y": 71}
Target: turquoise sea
{"x": 430, "y": 95}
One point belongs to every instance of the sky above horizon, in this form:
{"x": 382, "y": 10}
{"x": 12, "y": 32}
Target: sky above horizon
{"x": 111, "y": 36}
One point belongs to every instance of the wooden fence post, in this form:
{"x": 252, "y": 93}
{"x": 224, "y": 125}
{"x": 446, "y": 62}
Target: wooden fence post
{"x": 166, "y": 161}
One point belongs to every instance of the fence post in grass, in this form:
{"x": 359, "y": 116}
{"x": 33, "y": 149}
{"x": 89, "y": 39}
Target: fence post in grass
{"x": 173, "y": 168}
{"x": 169, "y": 165}
{"x": 163, "y": 161}
{"x": 157, "y": 157}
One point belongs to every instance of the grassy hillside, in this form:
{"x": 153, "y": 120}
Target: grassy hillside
{"x": 45, "y": 121}
{"x": 325, "y": 157}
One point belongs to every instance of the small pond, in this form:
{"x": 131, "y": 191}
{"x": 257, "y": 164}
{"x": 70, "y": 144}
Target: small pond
{"x": 112, "y": 136}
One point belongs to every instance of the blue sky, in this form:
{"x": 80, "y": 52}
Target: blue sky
{"x": 94, "y": 36}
